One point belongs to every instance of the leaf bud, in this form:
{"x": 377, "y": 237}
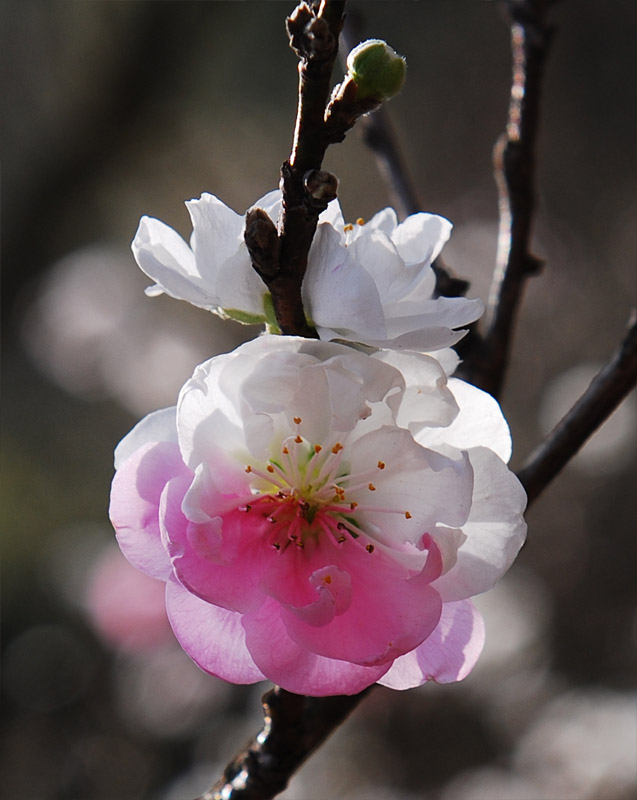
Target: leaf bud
{"x": 376, "y": 69}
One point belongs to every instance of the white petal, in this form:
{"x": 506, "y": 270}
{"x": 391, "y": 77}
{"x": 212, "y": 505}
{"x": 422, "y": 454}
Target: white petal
{"x": 495, "y": 529}
{"x": 421, "y": 237}
{"x": 164, "y": 256}
{"x": 217, "y": 232}
{"x": 480, "y": 422}
{"x": 159, "y": 426}
{"x": 339, "y": 296}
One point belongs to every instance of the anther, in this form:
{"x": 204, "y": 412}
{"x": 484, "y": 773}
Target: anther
{"x": 248, "y": 468}
{"x": 341, "y": 539}
{"x": 381, "y": 465}
{"x": 272, "y": 520}
{"x": 337, "y": 448}
{"x": 349, "y": 227}
{"x": 371, "y": 487}
{"x": 317, "y": 448}
{"x": 286, "y": 452}
{"x": 407, "y": 515}
{"x": 328, "y": 579}
{"x": 353, "y": 506}
{"x": 297, "y": 420}
{"x": 298, "y": 439}
{"x": 270, "y": 468}
{"x": 360, "y": 221}
{"x": 369, "y": 548}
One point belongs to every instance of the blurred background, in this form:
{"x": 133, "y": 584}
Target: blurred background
{"x": 115, "y": 110}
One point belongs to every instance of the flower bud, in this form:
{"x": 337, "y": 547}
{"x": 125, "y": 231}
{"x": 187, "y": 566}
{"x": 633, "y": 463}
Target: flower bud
{"x": 376, "y": 69}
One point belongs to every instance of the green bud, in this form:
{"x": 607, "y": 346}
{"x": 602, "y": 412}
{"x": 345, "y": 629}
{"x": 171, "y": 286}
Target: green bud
{"x": 376, "y": 69}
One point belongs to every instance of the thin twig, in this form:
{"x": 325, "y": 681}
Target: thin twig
{"x": 314, "y": 30}
{"x": 605, "y": 393}
{"x": 514, "y": 162}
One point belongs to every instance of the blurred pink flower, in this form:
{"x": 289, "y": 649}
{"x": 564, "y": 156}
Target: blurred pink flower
{"x": 321, "y": 516}
{"x": 126, "y": 607}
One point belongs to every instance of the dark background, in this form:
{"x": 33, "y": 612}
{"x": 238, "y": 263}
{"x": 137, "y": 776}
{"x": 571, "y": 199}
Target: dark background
{"x": 112, "y": 110}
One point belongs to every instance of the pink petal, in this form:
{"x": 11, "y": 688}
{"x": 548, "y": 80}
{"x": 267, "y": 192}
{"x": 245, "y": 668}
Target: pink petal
{"x": 448, "y": 654}
{"x": 389, "y": 613}
{"x": 213, "y": 637}
{"x": 295, "y": 668}
{"x": 232, "y": 585}
{"x": 134, "y": 508}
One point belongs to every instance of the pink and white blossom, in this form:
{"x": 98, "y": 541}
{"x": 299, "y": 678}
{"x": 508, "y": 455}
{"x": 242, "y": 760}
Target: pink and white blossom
{"x": 367, "y": 282}
{"x": 322, "y": 517}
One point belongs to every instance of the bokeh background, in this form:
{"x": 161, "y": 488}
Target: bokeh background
{"x": 115, "y": 110}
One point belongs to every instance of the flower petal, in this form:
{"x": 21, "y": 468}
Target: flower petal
{"x": 213, "y": 637}
{"x": 295, "y": 668}
{"x": 448, "y": 654}
{"x": 135, "y": 499}
{"x": 495, "y": 529}
{"x": 164, "y": 256}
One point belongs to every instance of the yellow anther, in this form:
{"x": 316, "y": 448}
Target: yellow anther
{"x": 337, "y": 448}
{"x": 381, "y": 465}
{"x": 349, "y": 227}
{"x": 317, "y": 448}
{"x": 371, "y": 487}
{"x": 407, "y": 515}
{"x": 360, "y": 221}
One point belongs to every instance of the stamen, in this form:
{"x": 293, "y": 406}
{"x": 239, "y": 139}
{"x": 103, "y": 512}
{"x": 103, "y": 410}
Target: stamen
{"x": 270, "y": 468}
{"x": 298, "y": 439}
{"x": 371, "y": 487}
{"x": 381, "y": 465}
{"x": 349, "y": 227}
{"x": 337, "y": 448}
{"x": 360, "y": 221}
{"x": 369, "y": 548}
{"x": 297, "y": 420}
{"x": 407, "y": 515}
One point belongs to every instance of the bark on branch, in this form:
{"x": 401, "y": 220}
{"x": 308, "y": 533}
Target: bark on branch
{"x": 514, "y": 162}
{"x": 609, "y": 387}
{"x": 281, "y": 259}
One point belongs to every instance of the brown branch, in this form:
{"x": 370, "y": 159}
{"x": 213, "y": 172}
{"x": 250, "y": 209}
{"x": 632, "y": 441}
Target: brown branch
{"x": 294, "y": 726}
{"x": 313, "y": 30}
{"x": 514, "y": 162}
{"x": 609, "y": 387}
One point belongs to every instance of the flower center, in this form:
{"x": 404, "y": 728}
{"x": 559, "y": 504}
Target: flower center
{"x": 309, "y": 491}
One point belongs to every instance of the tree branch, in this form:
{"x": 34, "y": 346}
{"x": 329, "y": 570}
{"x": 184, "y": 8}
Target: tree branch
{"x": 294, "y": 726}
{"x": 313, "y": 30}
{"x": 514, "y": 162}
{"x": 609, "y": 387}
